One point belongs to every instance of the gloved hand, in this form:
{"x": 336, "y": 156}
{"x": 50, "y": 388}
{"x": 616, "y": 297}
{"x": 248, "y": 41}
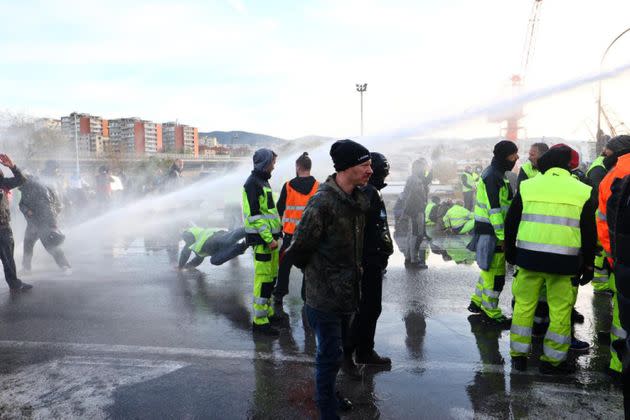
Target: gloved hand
{"x": 586, "y": 276}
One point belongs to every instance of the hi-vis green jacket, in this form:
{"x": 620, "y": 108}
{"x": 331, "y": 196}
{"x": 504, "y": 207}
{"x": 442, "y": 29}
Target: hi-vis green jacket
{"x": 262, "y": 222}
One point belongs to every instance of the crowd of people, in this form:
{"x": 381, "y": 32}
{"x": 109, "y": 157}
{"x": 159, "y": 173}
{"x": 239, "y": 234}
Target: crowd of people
{"x": 555, "y": 229}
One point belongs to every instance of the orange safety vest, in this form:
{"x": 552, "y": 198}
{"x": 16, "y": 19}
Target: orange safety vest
{"x": 295, "y": 205}
{"x": 620, "y": 170}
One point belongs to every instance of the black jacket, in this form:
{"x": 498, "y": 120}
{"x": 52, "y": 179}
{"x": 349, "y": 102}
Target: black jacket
{"x": 546, "y": 262}
{"x": 5, "y": 185}
{"x": 302, "y": 184}
{"x": 377, "y": 243}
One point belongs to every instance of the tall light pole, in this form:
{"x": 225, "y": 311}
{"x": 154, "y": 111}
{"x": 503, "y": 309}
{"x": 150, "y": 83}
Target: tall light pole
{"x": 361, "y": 88}
{"x": 598, "y": 145}
{"x": 76, "y": 145}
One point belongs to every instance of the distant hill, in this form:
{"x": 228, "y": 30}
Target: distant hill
{"x": 229, "y": 138}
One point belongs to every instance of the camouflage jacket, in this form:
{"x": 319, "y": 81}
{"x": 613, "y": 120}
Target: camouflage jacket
{"x": 328, "y": 246}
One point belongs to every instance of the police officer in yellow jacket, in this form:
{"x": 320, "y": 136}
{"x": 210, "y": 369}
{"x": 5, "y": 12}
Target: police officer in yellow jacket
{"x": 263, "y": 227}
{"x": 550, "y": 234}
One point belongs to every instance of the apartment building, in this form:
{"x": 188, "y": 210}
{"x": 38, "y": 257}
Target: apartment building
{"x": 180, "y": 138}
{"x": 91, "y": 132}
{"x": 135, "y": 136}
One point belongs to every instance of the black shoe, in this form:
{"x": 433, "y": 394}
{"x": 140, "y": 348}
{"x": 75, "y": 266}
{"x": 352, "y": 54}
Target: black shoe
{"x": 576, "y": 317}
{"x": 501, "y": 322}
{"x": 373, "y": 359}
{"x": 579, "y": 345}
{"x": 474, "y": 308}
{"x": 563, "y": 368}
{"x": 351, "y": 369}
{"x": 519, "y": 363}
{"x": 265, "y": 329}
{"x": 21, "y": 288}
{"x": 343, "y": 404}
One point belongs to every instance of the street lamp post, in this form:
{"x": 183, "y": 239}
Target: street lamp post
{"x": 598, "y": 137}
{"x": 76, "y": 145}
{"x": 361, "y": 88}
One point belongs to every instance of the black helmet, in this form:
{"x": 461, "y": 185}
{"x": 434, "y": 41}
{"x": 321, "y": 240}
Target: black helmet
{"x": 380, "y": 165}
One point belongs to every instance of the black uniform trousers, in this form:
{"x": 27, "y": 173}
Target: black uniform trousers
{"x": 284, "y": 270}
{"x": 369, "y": 309}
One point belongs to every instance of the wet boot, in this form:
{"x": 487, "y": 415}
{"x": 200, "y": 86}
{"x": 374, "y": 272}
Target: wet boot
{"x": 519, "y": 363}
{"x": 266, "y": 330}
{"x": 372, "y": 358}
{"x": 474, "y": 308}
{"x": 350, "y": 368}
{"x": 343, "y": 404}
{"x": 563, "y": 368}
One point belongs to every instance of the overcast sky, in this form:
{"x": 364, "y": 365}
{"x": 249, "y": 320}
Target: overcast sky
{"x": 289, "y": 68}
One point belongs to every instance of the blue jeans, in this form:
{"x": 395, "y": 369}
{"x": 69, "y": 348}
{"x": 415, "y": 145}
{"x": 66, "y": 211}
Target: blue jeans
{"x": 327, "y": 327}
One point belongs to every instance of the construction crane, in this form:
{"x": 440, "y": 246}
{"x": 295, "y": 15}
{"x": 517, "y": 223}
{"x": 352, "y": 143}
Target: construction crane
{"x": 513, "y": 128}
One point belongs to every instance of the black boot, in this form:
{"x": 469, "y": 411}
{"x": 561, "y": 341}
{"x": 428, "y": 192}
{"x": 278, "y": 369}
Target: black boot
{"x": 372, "y": 358}
{"x": 563, "y": 368}
{"x": 519, "y": 363}
{"x": 265, "y": 329}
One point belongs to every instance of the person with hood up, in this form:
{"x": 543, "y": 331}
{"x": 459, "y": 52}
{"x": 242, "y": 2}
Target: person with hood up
{"x": 328, "y": 247}
{"x": 41, "y": 207}
{"x": 218, "y": 244}
{"x": 264, "y": 229}
{"x": 618, "y": 166}
{"x": 291, "y": 204}
{"x": 409, "y": 211}
{"x": 494, "y": 196}
{"x": 550, "y": 235}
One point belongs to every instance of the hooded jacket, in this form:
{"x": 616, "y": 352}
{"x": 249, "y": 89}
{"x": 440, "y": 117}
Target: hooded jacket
{"x": 328, "y": 246}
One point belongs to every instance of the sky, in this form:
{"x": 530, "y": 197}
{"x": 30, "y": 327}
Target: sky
{"x": 289, "y": 68}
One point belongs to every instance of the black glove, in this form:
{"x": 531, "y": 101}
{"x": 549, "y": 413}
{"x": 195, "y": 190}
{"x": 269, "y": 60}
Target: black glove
{"x": 587, "y": 275}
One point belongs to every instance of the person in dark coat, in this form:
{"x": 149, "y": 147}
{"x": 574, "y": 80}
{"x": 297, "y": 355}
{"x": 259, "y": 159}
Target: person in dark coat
{"x": 41, "y": 207}
{"x": 6, "y": 234}
{"x": 328, "y": 247}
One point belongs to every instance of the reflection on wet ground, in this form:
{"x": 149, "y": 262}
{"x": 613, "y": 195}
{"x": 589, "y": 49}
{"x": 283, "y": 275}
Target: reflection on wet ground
{"x": 127, "y": 336}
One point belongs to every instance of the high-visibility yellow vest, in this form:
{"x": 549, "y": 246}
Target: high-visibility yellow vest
{"x": 267, "y": 223}
{"x": 552, "y": 207}
{"x": 529, "y": 170}
{"x": 493, "y": 216}
{"x": 295, "y": 205}
{"x": 201, "y": 236}
{"x": 599, "y": 161}
{"x": 470, "y": 180}
{"x": 456, "y": 217}
{"x": 427, "y": 212}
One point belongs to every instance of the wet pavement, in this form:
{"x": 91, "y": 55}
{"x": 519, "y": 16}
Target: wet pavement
{"x": 127, "y": 336}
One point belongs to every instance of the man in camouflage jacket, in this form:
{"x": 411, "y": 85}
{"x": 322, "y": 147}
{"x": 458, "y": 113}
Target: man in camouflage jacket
{"x": 328, "y": 246}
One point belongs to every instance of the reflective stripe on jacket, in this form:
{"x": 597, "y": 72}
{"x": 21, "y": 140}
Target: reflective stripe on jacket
{"x": 552, "y": 208}
{"x": 201, "y": 236}
{"x": 295, "y": 205}
{"x": 456, "y": 217}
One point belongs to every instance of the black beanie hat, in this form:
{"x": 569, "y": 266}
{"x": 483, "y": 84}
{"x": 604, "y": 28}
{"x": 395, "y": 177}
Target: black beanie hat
{"x": 347, "y": 153}
{"x": 504, "y": 148}
{"x": 559, "y": 156}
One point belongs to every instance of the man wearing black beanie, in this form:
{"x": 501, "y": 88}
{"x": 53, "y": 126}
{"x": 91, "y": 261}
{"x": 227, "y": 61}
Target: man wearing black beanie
{"x": 328, "y": 247}
{"x": 493, "y": 199}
